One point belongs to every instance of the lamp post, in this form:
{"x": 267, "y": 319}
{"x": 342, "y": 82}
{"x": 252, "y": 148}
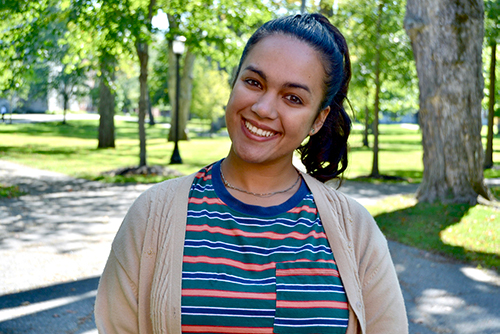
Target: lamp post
{"x": 178, "y": 48}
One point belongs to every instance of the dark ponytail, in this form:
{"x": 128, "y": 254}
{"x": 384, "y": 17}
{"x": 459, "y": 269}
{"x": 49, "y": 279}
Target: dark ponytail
{"x": 325, "y": 153}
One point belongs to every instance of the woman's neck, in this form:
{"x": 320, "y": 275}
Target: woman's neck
{"x": 272, "y": 178}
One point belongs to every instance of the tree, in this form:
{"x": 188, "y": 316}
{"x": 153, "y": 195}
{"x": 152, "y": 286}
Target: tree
{"x": 68, "y": 84}
{"x": 446, "y": 37}
{"x": 210, "y": 91}
{"x": 105, "y": 48}
{"x": 106, "y": 107}
{"x": 492, "y": 36}
{"x": 158, "y": 82}
{"x": 34, "y": 37}
{"x": 381, "y": 56}
{"x": 378, "y": 33}
{"x": 142, "y": 36}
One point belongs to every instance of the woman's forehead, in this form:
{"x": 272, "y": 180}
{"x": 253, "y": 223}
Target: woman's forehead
{"x": 282, "y": 57}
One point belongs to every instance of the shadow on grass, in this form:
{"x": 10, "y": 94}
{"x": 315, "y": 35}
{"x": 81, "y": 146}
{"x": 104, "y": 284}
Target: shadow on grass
{"x": 81, "y": 129}
{"x": 408, "y": 148}
{"x": 393, "y": 176}
{"x": 421, "y": 226}
{"x": 39, "y": 149}
{"x": 77, "y": 129}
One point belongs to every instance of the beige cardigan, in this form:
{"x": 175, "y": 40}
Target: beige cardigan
{"x": 140, "y": 289}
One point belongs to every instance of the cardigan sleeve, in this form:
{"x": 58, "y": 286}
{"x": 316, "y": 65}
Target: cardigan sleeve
{"x": 116, "y": 302}
{"x": 116, "y": 307}
{"x": 384, "y": 307}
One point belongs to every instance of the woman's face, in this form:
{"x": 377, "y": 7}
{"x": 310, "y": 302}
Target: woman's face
{"x": 275, "y": 100}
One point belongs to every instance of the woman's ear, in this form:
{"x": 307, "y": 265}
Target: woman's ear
{"x": 319, "y": 121}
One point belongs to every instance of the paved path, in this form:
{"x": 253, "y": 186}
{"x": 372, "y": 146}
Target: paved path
{"x": 55, "y": 240}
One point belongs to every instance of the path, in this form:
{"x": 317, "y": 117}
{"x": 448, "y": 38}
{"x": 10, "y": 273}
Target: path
{"x": 55, "y": 240}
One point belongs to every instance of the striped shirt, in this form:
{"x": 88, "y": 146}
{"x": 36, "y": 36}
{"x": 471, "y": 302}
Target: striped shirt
{"x": 252, "y": 269}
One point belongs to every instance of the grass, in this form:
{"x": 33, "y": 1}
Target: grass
{"x": 400, "y": 154}
{"x": 10, "y": 191}
{"x": 72, "y": 149}
{"x": 468, "y": 234}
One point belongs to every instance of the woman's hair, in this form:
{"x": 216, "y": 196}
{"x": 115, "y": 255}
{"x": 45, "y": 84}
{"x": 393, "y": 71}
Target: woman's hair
{"x": 325, "y": 153}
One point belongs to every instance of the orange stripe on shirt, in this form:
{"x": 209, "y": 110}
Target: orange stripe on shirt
{"x": 221, "y": 329}
{"x": 305, "y": 208}
{"x": 267, "y": 235}
{"x": 207, "y": 200}
{"x": 203, "y": 175}
{"x": 311, "y": 304}
{"x": 307, "y": 272}
{"x": 229, "y": 262}
{"x": 249, "y": 266}
{"x": 228, "y": 294}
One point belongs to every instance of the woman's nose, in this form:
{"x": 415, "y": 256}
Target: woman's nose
{"x": 265, "y": 106}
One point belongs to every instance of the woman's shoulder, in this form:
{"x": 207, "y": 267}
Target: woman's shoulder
{"x": 335, "y": 206}
{"x": 171, "y": 184}
{"x": 155, "y": 198}
{"x": 334, "y": 196}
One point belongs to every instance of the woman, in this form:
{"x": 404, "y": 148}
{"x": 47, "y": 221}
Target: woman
{"x": 249, "y": 244}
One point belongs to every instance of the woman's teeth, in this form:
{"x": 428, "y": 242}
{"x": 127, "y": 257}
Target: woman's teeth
{"x": 256, "y": 131}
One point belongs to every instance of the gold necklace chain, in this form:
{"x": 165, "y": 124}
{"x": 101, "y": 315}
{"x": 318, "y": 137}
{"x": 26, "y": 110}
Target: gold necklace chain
{"x": 229, "y": 185}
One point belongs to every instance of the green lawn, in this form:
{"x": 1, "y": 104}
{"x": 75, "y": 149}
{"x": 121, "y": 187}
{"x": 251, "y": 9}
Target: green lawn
{"x": 469, "y": 234}
{"x": 72, "y": 149}
{"x": 463, "y": 232}
{"x": 400, "y": 153}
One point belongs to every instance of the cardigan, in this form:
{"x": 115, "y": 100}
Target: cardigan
{"x": 140, "y": 288}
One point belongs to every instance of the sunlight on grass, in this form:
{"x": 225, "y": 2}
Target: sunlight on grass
{"x": 478, "y": 231}
{"x": 400, "y": 153}
{"x": 72, "y": 149}
{"x": 466, "y": 233}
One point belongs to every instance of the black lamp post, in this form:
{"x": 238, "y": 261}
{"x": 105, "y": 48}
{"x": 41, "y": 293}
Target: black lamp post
{"x": 178, "y": 48}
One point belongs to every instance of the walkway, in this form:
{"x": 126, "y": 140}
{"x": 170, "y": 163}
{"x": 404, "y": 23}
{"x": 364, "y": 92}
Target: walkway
{"x": 54, "y": 243}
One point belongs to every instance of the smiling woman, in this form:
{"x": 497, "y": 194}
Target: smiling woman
{"x": 272, "y": 109}
{"x": 249, "y": 244}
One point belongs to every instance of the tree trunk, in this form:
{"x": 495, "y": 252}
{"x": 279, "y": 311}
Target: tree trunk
{"x": 142, "y": 52}
{"x": 65, "y": 105}
{"x": 142, "y": 49}
{"x": 186, "y": 93}
{"x": 375, "y": 171}
{"x": 172, "y": 81}
{"x": 446, "y": 37}
{"x": 488, "y": 160}
{"x": 150, "y": 113}
{"x": 106, "y": 109}
{"x": 367, "y": 124}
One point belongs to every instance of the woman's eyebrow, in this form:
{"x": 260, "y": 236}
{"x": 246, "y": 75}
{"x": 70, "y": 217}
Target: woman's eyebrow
{"x": 286, "y": 85}
{"x": 296, "y": 85}
{"x": 257, "y": 71}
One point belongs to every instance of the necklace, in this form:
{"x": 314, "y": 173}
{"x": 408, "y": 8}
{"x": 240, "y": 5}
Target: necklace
{"x": 229, "y": 185}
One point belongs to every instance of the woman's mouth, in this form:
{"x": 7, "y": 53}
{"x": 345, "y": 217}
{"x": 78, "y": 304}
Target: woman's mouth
{"x": 257, "y": 131}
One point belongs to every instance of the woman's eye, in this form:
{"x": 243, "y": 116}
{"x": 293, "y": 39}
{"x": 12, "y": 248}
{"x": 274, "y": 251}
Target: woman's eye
{"x": 253, "y": 82}
{"x": 294, "y": 99}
